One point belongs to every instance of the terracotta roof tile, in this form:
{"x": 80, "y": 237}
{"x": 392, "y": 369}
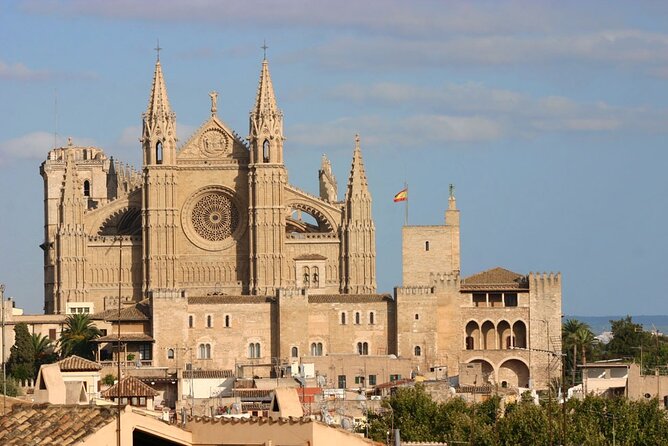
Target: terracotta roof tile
{"x": 49, "y": 424}
{"x": 76, "y": 363}
{"x": 127, "y": 337}
{"x": 496, "y": 279}
{"x": 129, "y": 387}
{"x": 348, "y": 298}
{"x": 137, "y": 312}
{"x": 208, "y": 374}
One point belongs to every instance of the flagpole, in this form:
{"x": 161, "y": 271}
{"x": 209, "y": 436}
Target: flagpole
{"x": 406, "y": 205}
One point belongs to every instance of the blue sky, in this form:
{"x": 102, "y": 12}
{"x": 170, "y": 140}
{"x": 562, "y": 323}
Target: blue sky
{"x": 549, "y": 118}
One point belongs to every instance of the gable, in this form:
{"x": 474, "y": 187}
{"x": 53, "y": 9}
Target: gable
{"x": 495, "y": 278}
{"x": 213, "y": 143}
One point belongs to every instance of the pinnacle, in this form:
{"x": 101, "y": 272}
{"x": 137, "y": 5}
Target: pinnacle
{"x": 266, "y": 100}
{"x": 357, "y": 179}
{"x": 158, "y": 103}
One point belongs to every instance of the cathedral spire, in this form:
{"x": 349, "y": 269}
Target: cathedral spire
{"x": 159, "y": 133}
{"x": 357, "y": 182}
{"x": 266, "y": 122}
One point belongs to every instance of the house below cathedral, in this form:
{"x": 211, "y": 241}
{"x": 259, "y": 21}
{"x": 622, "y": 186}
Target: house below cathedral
{"x": 220, "y": 263}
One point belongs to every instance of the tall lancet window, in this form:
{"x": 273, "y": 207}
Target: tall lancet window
{"x": 265, "y": 151}
{"x": 86, "y": 188}
{"x": 158, "y": 153}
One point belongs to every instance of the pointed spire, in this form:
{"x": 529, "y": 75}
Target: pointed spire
{"x": 158, "y": 102}
{"x": 357, "y": 179}
{"x": 452, "y": 202}
{"x": 265, "y": 102}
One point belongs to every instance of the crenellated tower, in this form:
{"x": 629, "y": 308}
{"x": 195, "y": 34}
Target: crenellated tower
{"x": 70, "y": 240}
{"x": 358, "y": 232}
{"x": 159, "y": 199}
{"x": 267, "y": 179}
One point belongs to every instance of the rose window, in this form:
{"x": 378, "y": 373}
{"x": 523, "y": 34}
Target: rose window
{"x": 214, "y": 217}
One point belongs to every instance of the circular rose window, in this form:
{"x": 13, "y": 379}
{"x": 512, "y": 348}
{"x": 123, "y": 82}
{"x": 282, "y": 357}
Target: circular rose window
{"x": 211, "y": 218}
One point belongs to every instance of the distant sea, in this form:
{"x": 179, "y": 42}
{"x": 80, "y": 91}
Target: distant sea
{"x": 599, "y": 324}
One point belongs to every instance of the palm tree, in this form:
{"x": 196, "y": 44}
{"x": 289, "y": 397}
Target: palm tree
{"x": 77, "y": 336}
{"x": 576, "y": 335}
{"x": 44, "y": 350}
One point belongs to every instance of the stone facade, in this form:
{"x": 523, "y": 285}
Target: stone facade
{"x": 242, "y": 271}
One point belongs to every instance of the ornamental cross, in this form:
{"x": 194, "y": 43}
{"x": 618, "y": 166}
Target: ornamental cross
{"x": 158, "y": 49}
{"x": 264, "y": 49}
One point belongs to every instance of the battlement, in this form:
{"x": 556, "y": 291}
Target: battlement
{"x": 413, "y": 290}
{"x": 445, "y": 279}
{"x": 170, "y": 294}
{"x": 543, "y": 279}
{"x": 292, "y": 292}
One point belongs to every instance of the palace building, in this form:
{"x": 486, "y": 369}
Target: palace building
{"x": 220, "y": 263}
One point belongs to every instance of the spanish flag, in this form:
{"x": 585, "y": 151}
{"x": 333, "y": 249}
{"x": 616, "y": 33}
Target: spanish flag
{"x": 401, "y": 196}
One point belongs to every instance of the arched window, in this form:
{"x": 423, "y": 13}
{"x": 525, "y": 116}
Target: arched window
{"x": 343, "y": 318}
{"x": 204, "y": 351}
{"x": 158, "y": 153}
{"x": 418, "y": 351}
{"x": 316, "y": 277}
{"x": 314, "y": 349}
{"x": 265, "y": 151}
{"x": 191, "y": 321}
{"x": 209, "y": 321}
{"x": 227, "y": 320}
{"x": 295, "y": 352}
{"x": 307, "y": 277}
{"x": 417, "y": 317}
{"x": 254, "y": 350}
{"x": 372, "y": 318}
{"x": 170, "y": 353}
{"x": 426, "y": 246}
{"x": 469, "y": 343}
{"x": 363, "y": 348}
{"x": 357, "y": 318}
{"x": 86, "y": 188}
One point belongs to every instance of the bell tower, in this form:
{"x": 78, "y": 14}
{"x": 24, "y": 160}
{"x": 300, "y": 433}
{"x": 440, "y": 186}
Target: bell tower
{"x": 267, "y": 179}
{"x": 159, "y": 212}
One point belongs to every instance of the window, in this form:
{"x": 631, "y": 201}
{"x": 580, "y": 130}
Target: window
{"x": 191, "y": 321}
{"x": 362, "y": 348}
{"x": 357, "y": 318}
{"x": 343, "y": 318}
{"x": 145, "y": 352}
{"x": 395, "y": 378}
{"x": 316, "y": 349}
{"x": 306, "y": 277}
{"x": 254, "y": 350}
{"x": 158, "y": 153}
{"x": 359, "y": 380}
{"x": 372, "y": 380}
{"x": 469, "y": 343}
{"x": 417, "y": 351}
{"x": 227, "y": 320}
{"x": 511, "y": 299}
{"x": 426, "y": 246}
{"x": 265, "y": 151}
{"x": 209, "y": 321}
{"x": 342, "y": 381}
{"x": 479, "y": 299}
{"x": 372, "y": 318}
{"x": 295, "y": 352}
{"x": 204, "y": 351}
{"x": 170, "y": 353}
{"x": 52, "y": 333}
{"x": 86, "y": 188}
{"x": 316, "y": 277}
{"x": 417, "y": 317}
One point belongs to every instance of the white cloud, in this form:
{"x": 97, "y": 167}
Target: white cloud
{"x": 19, "y": 71}
{"x": 35, "y": 145}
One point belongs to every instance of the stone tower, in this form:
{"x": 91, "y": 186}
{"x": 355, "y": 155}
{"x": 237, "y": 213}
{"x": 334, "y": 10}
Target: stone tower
{"x": 267, "y": 179}
{"x": 358, "y": 233}
{"x": 159, "y": 195}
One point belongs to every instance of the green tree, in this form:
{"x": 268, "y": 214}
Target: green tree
{"x": 21, "y": 362}
{"x": 77, "y": 336}
{"x": 627, "y": 338}
{"x": 578, "y": 342}
{"x": 44, "y": 351}
{"x": 12, "y": 388}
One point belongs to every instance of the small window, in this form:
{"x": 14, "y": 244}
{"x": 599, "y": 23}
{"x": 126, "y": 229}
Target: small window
{"x": 227, "y": 320}
{"x": 86, "y": 188}
{"x": 343, "y": 318}
{"x": 372, "y": 318}
{"x": 145, "y": 352}
{"x": 362, "y": 348}
{"x": 316, "y": 277}
{"x": 295, "y": 352}
{"x": 191, "y": 321}
{"x": 359, "y": 380}
{"x": 254, "y": 350}
{"x": 426, "y": 246}
{"x": 417, "y": 350}
{"x": 469, "y": 343}
{"x": 316, "y": 349}
{"x": 357, "y": 318}
{"x": 209, "y": 321}
{"x": 510, "y": 299}
{"x": 158, "y": 153}
{"x": 372, "y": 380}
{"x": 306, "y": 274}
{"x": 170, "y": 353}
{"x": 342, "y": 381}
{"x": 417, "y": 317}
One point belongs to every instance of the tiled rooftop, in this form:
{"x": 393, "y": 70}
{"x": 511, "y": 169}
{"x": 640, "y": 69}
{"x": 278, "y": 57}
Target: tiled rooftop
{"x": 495, "y": 279}
{"x": 129, "y": 387}
{"x": 76, "y": 363}
{"x": 127, "y": 337}
{"x": 208, "y": 374}
{"x": 348, "y": 298}
{"x": 223, "y": 299}
{"x": 137, "y": 312}
{"x": 32, "y": 425}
